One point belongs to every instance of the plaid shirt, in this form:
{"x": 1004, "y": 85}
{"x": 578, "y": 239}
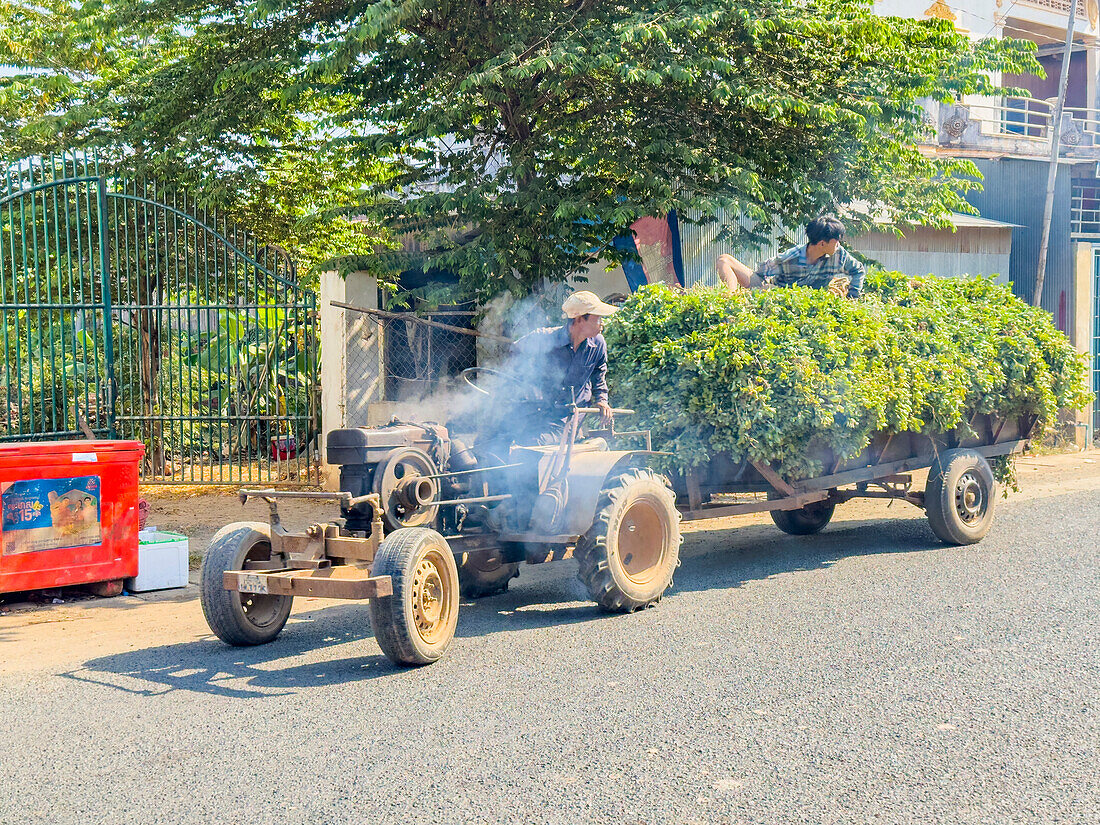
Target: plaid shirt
{"x": 791, "y": 269}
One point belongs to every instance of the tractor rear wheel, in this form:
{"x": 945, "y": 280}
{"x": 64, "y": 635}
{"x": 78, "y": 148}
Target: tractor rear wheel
{"x": 480, "y": 575}
{"x": 240, "y": 618}
{"x": 630, "y": 552}
{"x": 415, "y": 625}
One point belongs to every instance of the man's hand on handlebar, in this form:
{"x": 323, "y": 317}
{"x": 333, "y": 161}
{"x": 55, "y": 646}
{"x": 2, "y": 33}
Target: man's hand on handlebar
{"x": 606, "y": 414}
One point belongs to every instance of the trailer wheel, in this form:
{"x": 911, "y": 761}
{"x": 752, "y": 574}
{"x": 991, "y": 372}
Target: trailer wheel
{"x": 630, "y": 552}
{"x": 415, "y": 625}
{"x": 805, "y": 521}
{"x": 959, "y": 497}
{"x": 479, "y": 575}
{"x": 240, "y": 618}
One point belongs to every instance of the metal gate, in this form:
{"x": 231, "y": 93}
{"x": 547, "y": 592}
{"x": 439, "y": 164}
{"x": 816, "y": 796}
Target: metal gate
{"x": 128, "y": 314}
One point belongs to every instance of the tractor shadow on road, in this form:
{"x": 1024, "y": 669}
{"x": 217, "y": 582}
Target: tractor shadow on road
{"x": 307, "y": 653}
{"x": 543, "y": 596}
{"x": 724, "y": 559}
{"x": 265, "y": 671}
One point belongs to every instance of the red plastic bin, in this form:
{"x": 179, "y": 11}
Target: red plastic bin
{"x": 68, "y": 513}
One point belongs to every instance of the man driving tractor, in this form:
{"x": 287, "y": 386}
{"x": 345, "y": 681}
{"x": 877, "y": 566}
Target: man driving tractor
{"x": 567, "y": 365}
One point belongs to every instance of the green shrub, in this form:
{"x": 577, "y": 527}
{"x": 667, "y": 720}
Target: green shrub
{"x": 772, "y": 375}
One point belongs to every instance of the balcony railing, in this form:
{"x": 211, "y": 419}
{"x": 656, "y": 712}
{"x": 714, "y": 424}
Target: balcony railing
{"x": 1060, "y": 6}
{"x": 1029, "y": 119}
{"x": 1085, "y": 209}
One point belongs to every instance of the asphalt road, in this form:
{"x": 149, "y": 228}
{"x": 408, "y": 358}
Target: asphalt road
{"x": 865, "y": 675}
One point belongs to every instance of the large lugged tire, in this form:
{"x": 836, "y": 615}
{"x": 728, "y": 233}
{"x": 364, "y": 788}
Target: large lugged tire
{"x": 415, "y": 625}
{"x": 959, "y": 497}
{"x": 630, "y": 552}
{"x": 478, "y": 576}
{"x": 240, "y": 618}
{"x": 805, "y": 521}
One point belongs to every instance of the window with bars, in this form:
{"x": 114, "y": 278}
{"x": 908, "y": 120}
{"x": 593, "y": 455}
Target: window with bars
{"x": 1085, "y": 209}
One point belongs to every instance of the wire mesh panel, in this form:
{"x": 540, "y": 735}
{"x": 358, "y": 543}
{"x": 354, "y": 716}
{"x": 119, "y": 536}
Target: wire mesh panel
{"x": 215, "y": 346}
{"x": 56, "y": 344}
{"x": 421, "y": 360}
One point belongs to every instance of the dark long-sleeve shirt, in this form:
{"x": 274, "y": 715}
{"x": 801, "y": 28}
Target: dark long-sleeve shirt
{"x": 546, "y": 358}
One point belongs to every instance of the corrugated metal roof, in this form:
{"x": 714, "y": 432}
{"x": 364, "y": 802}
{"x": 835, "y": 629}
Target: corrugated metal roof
{"x": 961, "y": 220}
{"x": 879, "y": 218}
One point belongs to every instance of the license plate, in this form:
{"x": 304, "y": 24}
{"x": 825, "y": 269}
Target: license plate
{"x": 251, "y": 583}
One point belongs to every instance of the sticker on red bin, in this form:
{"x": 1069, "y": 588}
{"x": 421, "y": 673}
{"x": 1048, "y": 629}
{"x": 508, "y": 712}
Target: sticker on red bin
{"x": 50, "y": 514}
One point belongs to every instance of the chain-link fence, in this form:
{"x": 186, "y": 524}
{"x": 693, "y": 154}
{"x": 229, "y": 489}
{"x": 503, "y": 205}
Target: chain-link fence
{"x": 404, "y": 359}
{"x": 421, "y": 359}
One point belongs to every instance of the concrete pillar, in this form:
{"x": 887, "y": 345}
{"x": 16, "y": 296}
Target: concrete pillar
{"x": 1092, "y": 68}
{"x": 352, "y": 367}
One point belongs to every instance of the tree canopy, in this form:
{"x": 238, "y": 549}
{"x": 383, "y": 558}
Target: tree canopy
{"x": 183, "y": 93}
{"x": 509, "y": 141}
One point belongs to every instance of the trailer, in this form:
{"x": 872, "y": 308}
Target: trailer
{"x": 426, "y": 518}
{"x": 959, "y": 495}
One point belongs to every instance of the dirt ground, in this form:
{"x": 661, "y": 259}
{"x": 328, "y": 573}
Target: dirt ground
{"x": 199, "y": 513}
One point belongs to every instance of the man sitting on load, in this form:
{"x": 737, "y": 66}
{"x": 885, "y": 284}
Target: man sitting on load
{"x": 821, "y": 263}
{"x": 567, "y": 364}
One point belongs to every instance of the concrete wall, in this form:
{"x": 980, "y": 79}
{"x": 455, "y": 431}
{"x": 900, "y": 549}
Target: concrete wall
{"x": 352, "y": 369}
{"x": 604, "y": 283}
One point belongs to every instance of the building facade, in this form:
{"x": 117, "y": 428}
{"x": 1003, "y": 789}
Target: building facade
{"x": 1009, "y": 139}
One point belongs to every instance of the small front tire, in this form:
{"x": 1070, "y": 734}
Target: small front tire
{"x": 240, "y": 619}
{"x": 415, "y": 625}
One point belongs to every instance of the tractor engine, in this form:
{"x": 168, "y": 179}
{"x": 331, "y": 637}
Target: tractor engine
{"x": 401, "y": 462}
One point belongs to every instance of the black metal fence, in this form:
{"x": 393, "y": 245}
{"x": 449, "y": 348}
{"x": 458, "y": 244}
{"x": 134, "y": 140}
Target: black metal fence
{"x": 129, "y": 314}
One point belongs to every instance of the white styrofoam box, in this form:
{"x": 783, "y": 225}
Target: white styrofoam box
{"x": 162, "y": 562}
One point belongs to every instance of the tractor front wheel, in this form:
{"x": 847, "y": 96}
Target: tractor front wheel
{"x": 630, "y": 552}
{"x": 240, "y": 618}
{"x": 415, "y": 625}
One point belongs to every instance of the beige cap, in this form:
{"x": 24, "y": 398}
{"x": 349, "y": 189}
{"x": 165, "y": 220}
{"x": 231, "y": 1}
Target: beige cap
{"x": 585, "y": 303}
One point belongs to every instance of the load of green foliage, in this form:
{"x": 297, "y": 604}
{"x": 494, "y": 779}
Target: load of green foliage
{"x": 778, "y": 375}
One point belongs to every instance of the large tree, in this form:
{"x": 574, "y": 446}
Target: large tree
{"x": 551, "y": 126}
{"x": 521, "y": 136}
